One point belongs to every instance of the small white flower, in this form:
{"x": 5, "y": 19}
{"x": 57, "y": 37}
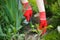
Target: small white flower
{"x": 58, "y": 28}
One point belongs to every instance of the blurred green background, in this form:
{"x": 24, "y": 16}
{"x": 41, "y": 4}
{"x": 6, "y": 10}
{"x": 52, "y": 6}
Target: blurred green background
{"x": 11, "y": 19}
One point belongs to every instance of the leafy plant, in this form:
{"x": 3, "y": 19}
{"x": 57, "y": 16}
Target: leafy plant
{"x": 53, "y": 12}
{"x": 53, "y": 35}
{"x": 34, "y": 6}
{"x": 10, "y": 19}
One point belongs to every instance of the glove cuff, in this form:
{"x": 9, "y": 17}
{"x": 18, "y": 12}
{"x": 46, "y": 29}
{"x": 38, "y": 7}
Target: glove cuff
{"x": 42, "y": 15}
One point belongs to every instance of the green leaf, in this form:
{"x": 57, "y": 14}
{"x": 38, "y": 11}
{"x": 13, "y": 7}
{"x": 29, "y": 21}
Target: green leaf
{"x": 1, "y": 32}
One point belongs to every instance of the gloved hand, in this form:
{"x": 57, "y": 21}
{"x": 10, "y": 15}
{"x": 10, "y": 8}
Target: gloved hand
{"x": 42, "y": 27}
{"x": 27, "y": 11}
{"x": 43, "y": 23}
{"x": 28, "y": 15}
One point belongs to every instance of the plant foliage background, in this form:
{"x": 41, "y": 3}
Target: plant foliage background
{"x": 11, "y": 17}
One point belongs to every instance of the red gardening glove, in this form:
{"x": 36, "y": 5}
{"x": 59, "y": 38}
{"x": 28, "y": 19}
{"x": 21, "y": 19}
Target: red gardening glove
{"x": 27, "y": 11}
{"x": 43, "y": 22}
{"x": 28, "y": 15}
{"x": 43, "y": 25}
